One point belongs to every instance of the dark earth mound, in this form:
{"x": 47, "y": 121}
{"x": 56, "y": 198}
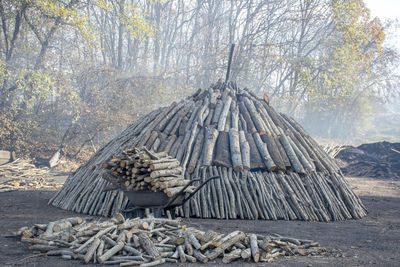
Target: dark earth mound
{"x": 377, "y": 160}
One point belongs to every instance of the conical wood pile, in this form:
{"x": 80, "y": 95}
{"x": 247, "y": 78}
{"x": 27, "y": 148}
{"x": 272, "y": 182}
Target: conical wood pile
{"x": 270, "y": 167}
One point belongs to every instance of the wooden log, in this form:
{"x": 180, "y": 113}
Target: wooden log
{"x": 224, "y": 114}
{"x": 175, "y": 146}
{"x": 294, "y": 161}
{"x": 227, "y": 237}
{"x": 233, "y": 255}
{"x": 252, "y": 206}
{"x": 152, "y": 139}
{"x": 200, "y": 256}
{"x": 100, "y": 249}
{"x": 256, "y": 191}
{"x": 314, "y": 158}
{"x": 111, "y": 252}
{"x": 174, "y": 190}
{"x": 274, "y": 151}
{"x": 208, "y": 150}
{"x": 309, "y": 166}
{"x": 168, "y": 116}
{"x": 255, "y": 251}
{"x": 203, "y": 113}
{"x": 246, "y": 118}
{"x": 188, "y": 246}
{"x": 171, "y": 127}
{"x": 192, "y": 118}
{"x": 190, "y": 258}
{"x": 242, "y": 124}
{"x": 62, "y": 225}
{"x": 193, "y": 240}
{"x": 215, "y": 204}
{"x": 255, "y": 157}
{"x": 168, "y": 145}
{"x": 217, "y": 112}
{"x": 164, "y": 165}
{"x": 231, "y": 199}
{"x": 245, "y": 253}
{"x": 276, "y": 118}
{"x": 293, "y": 199}
{"x": 148, "y": 246}
{"x": 236, "y": 155}
{"x": 214, "y": 98}
{"x": 167, "y": 172}
{"x": 255, "y": 116}
{"x": 198, "y": 145}
{"x": 92, "y": 249}
{"x": 222, "y": 155}
{"x": 268, "y": 121}
{"x": 181, "y": 253}
{"x": 265, "y": 156}
{"x": 172, "y": 183}
{"x": 236, "y": 193}
{"x": 234, "y": 117}
{"x": 209, "y": 117}
{"x": 208, "y": 193}
{"x": 282, "y": 152}
{"x": 227, "y": 244}
{"x": 247, "y": 213}
{"x": 256, "y": 196}
{"x": 244, "y": 150}
{"x": 98, "y": 235}
{"x": 189, "y": 145}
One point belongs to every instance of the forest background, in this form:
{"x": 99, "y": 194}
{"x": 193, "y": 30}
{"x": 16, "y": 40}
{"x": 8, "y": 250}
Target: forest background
{"x": 74, "y": 73}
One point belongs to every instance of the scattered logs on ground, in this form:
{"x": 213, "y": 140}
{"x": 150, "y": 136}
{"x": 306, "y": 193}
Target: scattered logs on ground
{"x": 140, "y": 169}
{"x": 151, "y": 241}
{"x": 270, "y": 168}
{"x": 23, "y": 175}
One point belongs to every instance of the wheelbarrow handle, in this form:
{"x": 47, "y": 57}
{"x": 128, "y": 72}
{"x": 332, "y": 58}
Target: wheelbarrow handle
{"x": 199, "y": 187}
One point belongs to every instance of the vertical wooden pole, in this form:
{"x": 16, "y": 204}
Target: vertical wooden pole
{"x": 229, "y": 63}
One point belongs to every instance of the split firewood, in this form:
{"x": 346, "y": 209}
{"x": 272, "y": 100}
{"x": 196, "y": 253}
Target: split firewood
{"x": 147, "y": 170}
{"x": 153, "y": 241}
{"x": 23, "y": 175}
{"x": 246, "y": 253}
{"x": 234, "y": 255}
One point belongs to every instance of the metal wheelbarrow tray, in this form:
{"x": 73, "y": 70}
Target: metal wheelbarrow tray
{"x": 158, "y": 201}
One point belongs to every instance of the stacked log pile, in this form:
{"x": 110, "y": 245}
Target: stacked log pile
{"x": 270, "y": 168}
{"x": 150, "y": 242}
{"x": 23, "y": 175}
{"x": 140, "y": 169}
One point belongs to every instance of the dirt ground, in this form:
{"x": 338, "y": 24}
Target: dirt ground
{"x": 374, "y": 240}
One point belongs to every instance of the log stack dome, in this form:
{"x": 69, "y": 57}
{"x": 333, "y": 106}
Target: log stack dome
{"x": 270, "y": 168}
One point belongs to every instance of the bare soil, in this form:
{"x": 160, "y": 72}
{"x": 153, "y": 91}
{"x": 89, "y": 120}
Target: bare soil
{"x": 373, "y": 240}
{"x": 377, "y": 160}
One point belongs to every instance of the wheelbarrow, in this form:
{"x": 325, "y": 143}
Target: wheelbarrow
{"x": 158, "y": 201}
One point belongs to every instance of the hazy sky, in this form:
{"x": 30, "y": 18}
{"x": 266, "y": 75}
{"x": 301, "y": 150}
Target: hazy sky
{"x": 384, "y": 8}
{"x": 387, "y": 9}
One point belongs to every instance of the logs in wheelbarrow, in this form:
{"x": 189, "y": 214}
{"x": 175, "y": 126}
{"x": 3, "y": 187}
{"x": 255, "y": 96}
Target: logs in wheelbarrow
{"x": 158, "y": 201}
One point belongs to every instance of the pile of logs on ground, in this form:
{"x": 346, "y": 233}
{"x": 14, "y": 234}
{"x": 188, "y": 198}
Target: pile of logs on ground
{"x": 23, "y": 175}
{"x": 270, "y": 168}
{"x": 150, "y": 242}
{"x": 140, "y": 169}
